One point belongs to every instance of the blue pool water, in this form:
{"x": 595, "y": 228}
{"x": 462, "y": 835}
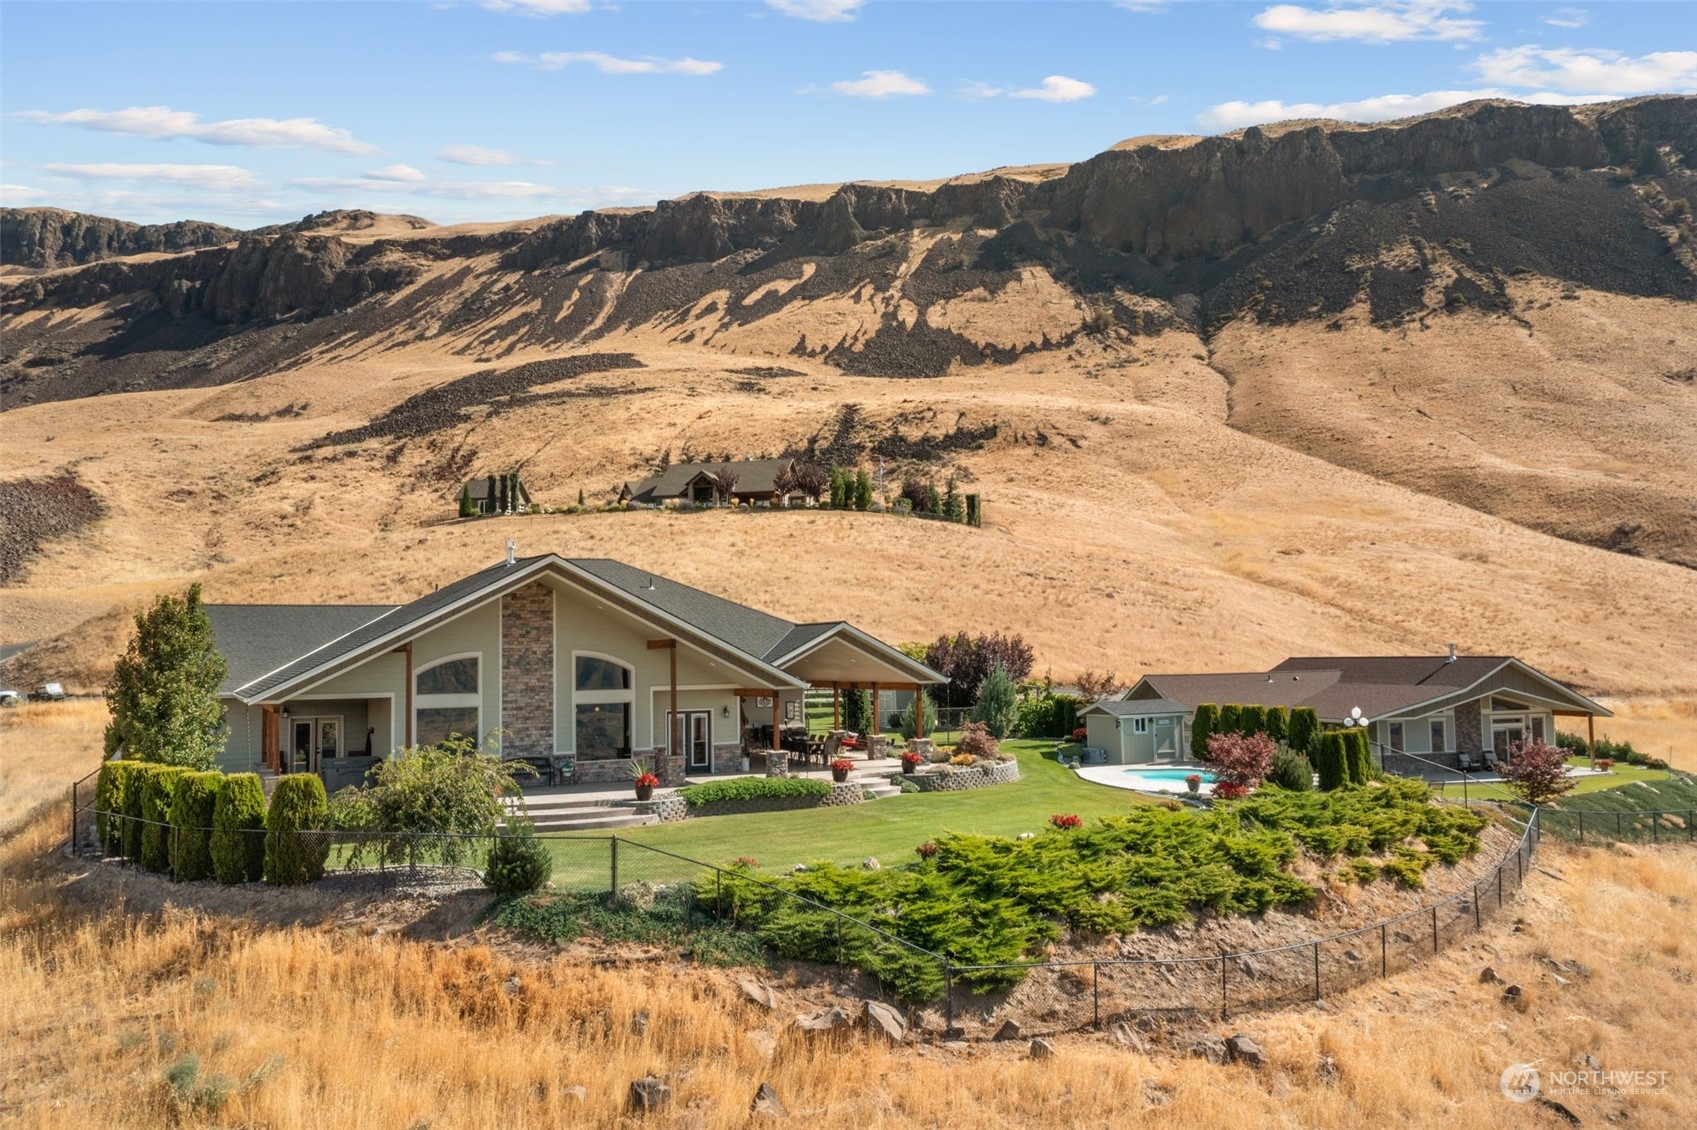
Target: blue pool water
{"x": 1170, "y": 774}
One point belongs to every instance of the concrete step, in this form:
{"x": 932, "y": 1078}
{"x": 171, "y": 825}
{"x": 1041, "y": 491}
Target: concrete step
{"x": 537, "y": 805}
{"x": 879, "y": 792}
{"x": 601, "y": 820}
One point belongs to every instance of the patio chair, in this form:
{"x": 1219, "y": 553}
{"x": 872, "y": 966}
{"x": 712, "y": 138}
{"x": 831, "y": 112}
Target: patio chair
{"x": 1491, "y": 760}
{"x": 833, "y": 743}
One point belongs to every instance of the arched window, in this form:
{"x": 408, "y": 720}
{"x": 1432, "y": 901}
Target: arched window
{"x": 603, "y": 700}
{"x": 447, "y": 699}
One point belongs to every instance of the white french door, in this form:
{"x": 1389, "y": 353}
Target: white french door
{"x": 693, "y": 734}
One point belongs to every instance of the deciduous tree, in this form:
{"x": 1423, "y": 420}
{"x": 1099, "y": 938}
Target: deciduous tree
{"x": 1536, "y": 772}
{"x": 164, "y": 690}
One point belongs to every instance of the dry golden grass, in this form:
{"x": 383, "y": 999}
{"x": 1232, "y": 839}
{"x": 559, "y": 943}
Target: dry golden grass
{"x": 341, "y": 1029}
{"x": 44, "y": 746}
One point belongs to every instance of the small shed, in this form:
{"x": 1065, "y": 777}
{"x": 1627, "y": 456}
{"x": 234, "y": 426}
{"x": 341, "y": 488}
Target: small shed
{"x": 1138, "y": 731}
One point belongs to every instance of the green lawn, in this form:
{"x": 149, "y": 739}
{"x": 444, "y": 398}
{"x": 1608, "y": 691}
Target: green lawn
{"x": 891, "y": 828}
{"x": 1622, "y": 774}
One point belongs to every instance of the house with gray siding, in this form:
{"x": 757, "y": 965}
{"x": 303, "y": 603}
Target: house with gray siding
{"x": 586, "y": 662}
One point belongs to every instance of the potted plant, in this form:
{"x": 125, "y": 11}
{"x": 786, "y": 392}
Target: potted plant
{"x": 644, "y": 779}
{"x": 910, "y": 762}
{"x": 840, "y": 769}
{"x": 1194, "y": 782}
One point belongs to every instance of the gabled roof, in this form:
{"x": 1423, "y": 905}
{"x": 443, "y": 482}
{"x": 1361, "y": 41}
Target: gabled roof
{"x": 754, "y": 476}
{"x": 337, "y": 637}
{"x": 1128, "y": 707}
{"x": 256, "y": 639}
{"x": 1333, "y": 686}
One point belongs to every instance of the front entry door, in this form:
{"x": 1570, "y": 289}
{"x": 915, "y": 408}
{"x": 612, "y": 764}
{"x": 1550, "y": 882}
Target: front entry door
{"x": 1166, "y": 743}
{"x": 301, "y": 747}
{"x": 695, "y": 738}
{"x": 313, "y": 740}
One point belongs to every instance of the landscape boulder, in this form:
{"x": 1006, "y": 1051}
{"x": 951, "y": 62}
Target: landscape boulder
{"x": 649, "y": 1095}
{"x": 759, "y": 993}
{"x": 1042, "y": 1049}
{"x": 766, "y": 1104}
{"x": 1010, "y": 1030}
{"x": 880, "y": 1018}
{"x": 831, "y": 1019}
{"x": 1243, "y": 1049}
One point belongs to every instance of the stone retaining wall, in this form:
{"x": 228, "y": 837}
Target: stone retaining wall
{"x": 957, "y": 780}
{"x": 674, "y": 807}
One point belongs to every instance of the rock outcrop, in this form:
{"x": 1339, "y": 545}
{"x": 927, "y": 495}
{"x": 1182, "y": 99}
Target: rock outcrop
{"x": 46, "y": 238}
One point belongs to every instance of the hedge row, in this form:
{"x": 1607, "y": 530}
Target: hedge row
{"x": 752, "y": 788}
{"x": 1297, "y": 728}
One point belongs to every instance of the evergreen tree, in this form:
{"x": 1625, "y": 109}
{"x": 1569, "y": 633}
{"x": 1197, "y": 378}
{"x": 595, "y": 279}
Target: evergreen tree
{"x": 1230, "y": 714}
{"x": 1278, "y": 723}
{"x": 580, "y": 498}
{"x": 838, "y": 493}
{"x": 1331, "y": 760}
{"x": 936, "y": 499}
{"x": 998, "y": 702}
{"x": 1304, "y": 727}
{"x": 164, "y": 689}
{"x": 1252, "y": 720}
{"x": 954, "y": 508}
{"x": 466, "y": 508}
{"x": 857, "y": 713}
{"x": 1204, "y": 725}
{"x": 862, "y": 490}
{"x": 492, "y": 495}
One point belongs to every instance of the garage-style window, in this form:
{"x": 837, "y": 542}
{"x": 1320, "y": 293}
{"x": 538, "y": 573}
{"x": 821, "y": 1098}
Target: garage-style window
{"x": 447, "y": 699}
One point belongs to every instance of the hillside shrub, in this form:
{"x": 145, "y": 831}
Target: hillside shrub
{"x": 158, "y": 791}
{"x": 1202, "y": 727}
{"x": 295, "y": 844}
{"x": 116, "y": 779}
{"x": 238, "y": 829}
{"x": 1278, "y": 723}
{"x": 1291, "y": 770}
{"x": 752, "y": 788}
{"x": 1252, "y": 720}
{"x": 1230, "y": 715}
{"x": 1331, "y": 760}
{"x": 429, "y": 802}
{"x": 192, "y": 810}
{"x": 977, "y": 742}
{"x": 998, "y": 702}
{"x": 1304, "y": 728}
{"x": 519, "y": 862}
{"x": 1239, "y": 761}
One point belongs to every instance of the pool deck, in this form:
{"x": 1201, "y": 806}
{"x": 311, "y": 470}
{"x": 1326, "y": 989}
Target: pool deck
{"x": 1114, "y": 777}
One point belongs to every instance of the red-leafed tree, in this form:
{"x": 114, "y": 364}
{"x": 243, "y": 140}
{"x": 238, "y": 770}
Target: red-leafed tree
{"x": 1536, "y": 772}
{"x": 1238, "y": 760}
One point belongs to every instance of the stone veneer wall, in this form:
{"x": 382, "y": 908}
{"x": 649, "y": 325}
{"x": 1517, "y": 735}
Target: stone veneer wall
{"x": 956, "y": 780}
{"x": 527, "y": 672}
{"x": 1405, "y": 766}
{"x": 1467, "y": 725}
{"x": 611, "y": 770}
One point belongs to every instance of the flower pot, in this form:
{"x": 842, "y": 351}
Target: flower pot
{"x": 644, "y": 792}
{"x": 908, "y": 767}
{"x": 839, "y": 775}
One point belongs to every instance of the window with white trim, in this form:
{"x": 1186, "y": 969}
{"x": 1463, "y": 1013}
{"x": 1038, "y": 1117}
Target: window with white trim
{"x": 1140, "y": 725}
{"x": 603, "y": 706}
{"x": 448, "y": 699}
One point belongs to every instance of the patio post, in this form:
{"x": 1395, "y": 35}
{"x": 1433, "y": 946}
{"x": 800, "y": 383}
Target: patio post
{"x": 836, "y": 707}
{"x": 918, "y": 710}
{"x": 777, "y": 711}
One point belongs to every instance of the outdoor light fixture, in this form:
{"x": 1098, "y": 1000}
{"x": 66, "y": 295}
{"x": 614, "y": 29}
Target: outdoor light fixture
{"x": 724, "y": 712}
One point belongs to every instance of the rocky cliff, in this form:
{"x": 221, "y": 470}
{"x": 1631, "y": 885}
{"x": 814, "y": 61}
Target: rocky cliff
{"x": 45, "y": 238}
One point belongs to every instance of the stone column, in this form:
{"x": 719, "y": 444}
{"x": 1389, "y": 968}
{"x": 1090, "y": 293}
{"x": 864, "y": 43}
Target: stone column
{"x": 527, "y": 672}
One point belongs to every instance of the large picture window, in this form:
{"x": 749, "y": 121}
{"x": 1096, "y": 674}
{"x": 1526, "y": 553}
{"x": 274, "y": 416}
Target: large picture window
{"x": 603, "y": 702}
{"x": 447, "y": 699}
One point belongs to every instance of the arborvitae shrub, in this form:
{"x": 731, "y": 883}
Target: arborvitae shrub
{"x": 132, "y": 808}
{"x": 191, "y": 819}
{"x": 1360, "y": 756}
{"x": 1304, "y": 728}
{"x": 1230, "y": 716}
{"x": 1291, "y": 770}
{"x": 1278, "y": 723}
{"x": 1252, "y": 720}
{"x": 1206, "y": 723}
{"x": 117, "y": 778}
{"x": 238, "y": 829}
{"x": 467, "y": 509}
{"x": 519, "y": 862}
{"x": 295, "y": 848}
{"x": 1329, "y": 760}
{"x": 158, "y": 791}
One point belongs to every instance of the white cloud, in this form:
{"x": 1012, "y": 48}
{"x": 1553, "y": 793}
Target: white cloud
{"x": 819, "y": 11}
{"x": 611, "y": 64}
{"x": 164, "y": 123}
{"x": 404, "y": 173}
{"x": 478, "y": 155}
{"x": 1146, "y": 7}
{"x": 1235, "y": 115}
{"x": 1568, "y": 17}
{"x": 1598, "y": 71}
{"x": 540, "y": 9}
{"x": 1392, "y": 21}
{"x": 880, "y": 84}
{"x": 215, "y": 178}
{"x": 21, "y": 195}
{"x": 1058, "y": 88}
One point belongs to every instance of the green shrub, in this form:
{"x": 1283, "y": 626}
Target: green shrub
{"x": 1291, "y": 770}
{"x": 1358, "y": 756}
{"x": 1048, "y": 716}
{"x": 295, "y": 846}
{"x": 1252, "y": 720}
{"x": 191, "y": 820}
{"x": 752, "y": 788}
{"x": 1361, "y": 871}
{"x": 117, "y": 778}
{"x": 1202, "y": 727}
{"x": 1655, "y": 763}
{"x": 158, "y": 791}
{"x": 998, "y": 702}
{"x": 428, "y": 802}
{"x": 1231, "y": 715}
{"x": 238, "y": 829}
{"x": 519, "y": 862}
{"x": 1572, "y": 742}
{"x": 132, "y": 808}
{"x": 1278, "y": 723}
{"x": 1331, "y": 760}
{"x": 1633, "y": 757}
{"x": 1304, "y": 729}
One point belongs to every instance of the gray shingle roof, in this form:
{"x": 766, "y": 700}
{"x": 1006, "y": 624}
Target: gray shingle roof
{"x": 747, "y": 629}
{"x": 1125, "y": 708}
{"x": 754, "y": 476}
{"x": 256, "y": 639}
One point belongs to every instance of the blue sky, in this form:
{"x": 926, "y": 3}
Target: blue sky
{"x": 251, "y": 113}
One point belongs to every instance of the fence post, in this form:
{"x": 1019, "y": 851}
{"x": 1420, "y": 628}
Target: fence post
{"x": 1656, "y": 827}
{"x": 1499, "y": 886}
{"x": 948, "y": 999}
{"x": 176, "y": 847}
{"x": 72, "y": 842}
{"x": 1224, "y": 1011}
{"x": 1476, "y": 921}
{"x": 1096, "y": 992}
{"x": 839, "y": 939}
{"x": 1316, "y": 970}
{"x": 1384, "y": 952}
{"x": 1617, "y": 824}
{"x": 614, "y": 848}
{"x": 718, "y": 909}
{"x": 1434, "y": 929}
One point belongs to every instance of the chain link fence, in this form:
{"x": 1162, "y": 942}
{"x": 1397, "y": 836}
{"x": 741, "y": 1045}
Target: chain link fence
{"x": 1665, "y": 826}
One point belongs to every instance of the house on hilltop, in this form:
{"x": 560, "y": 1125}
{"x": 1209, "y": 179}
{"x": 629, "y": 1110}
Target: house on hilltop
{"x": 495, "y": 494}
{"x": 757, "y": 483}
{"x": 1417, "y": 709}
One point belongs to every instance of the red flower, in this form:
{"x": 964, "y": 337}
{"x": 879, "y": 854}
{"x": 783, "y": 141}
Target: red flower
{"x": 841, "y": 765}
{"x": 1067, "y": 820}
{"x": 744, "y": 861}
{"x": 912, "y": 758}
{"x": 1229, "y": 790}
{"x": 648, "y": 780}
{"x": 926, "y": 850}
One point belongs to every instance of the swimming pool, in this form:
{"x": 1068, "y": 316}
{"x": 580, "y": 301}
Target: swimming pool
{"x": 1163, "y": 780}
